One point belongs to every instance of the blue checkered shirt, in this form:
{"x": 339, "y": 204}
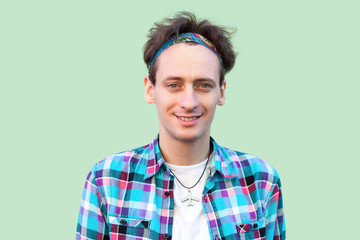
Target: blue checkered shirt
{"x": 129, "y": 195}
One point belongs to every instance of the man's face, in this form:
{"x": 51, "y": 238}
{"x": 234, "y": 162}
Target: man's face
{"x": 186, "y": 92}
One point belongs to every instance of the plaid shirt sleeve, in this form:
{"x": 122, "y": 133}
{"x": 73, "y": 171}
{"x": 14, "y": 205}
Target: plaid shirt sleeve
{"x": 274, "y": 215}
{"x": 91, "y": 223}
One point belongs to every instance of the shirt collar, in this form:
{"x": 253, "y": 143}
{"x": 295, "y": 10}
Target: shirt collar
{"x": 155, "y": 159}
{"x": 221, "y": 161}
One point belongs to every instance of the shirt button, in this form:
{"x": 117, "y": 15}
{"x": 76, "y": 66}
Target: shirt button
{"x": 167, "y": 193}
{"x": 123, "y": 222}
{"x": 255, "y": 225}
{"x": 217, "y": 237}
{"x": 166, "y": 236}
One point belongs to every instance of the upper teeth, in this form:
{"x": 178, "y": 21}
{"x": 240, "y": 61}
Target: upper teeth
{"x": 187, "y": 119}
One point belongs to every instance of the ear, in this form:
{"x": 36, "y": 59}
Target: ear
{"x": 149, "y": 90}
{"x": 221, "y": 100}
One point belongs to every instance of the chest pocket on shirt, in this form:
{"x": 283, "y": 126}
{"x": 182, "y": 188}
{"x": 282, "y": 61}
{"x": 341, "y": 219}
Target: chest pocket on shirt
{"x": 126, "y": 228}
{"x": 252, "y": 230}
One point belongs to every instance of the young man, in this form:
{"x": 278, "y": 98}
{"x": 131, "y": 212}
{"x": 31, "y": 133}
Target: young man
{"x": 183, "y": 185}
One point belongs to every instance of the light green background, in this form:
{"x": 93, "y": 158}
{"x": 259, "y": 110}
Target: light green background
{"x": 72, "y": 93}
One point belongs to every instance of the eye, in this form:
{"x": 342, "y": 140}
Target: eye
{"x": 205, "y": 86}
{"x": 173, "y": 85}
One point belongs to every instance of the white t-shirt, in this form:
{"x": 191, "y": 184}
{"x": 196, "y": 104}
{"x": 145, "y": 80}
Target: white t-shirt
{"x": 189, "y": 221}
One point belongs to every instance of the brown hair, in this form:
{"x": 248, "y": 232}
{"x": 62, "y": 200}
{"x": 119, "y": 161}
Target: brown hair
{"x": 184, "y": 22}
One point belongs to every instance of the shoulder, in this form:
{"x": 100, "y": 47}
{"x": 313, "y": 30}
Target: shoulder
{"x": 133, "y": 160}
{"x": 247, "y": 165}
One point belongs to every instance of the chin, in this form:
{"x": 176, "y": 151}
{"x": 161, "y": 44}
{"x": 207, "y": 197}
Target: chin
{"x": 187, "y": 137}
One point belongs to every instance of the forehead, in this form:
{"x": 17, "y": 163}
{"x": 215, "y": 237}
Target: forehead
{"x": 188, "y": 61}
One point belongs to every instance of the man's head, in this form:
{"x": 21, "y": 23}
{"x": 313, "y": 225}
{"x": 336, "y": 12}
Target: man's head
{"x": 189, "y": 77}
{"x": 185, "y": 22}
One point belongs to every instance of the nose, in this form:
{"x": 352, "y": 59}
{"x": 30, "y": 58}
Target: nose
{"x": 189, "y": 99}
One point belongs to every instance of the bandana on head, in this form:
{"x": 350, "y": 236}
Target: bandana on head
{"x": 187, "y": 37}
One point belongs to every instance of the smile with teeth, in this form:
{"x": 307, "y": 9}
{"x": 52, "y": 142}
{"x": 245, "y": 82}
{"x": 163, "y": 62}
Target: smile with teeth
{"x": 187, "y": 118}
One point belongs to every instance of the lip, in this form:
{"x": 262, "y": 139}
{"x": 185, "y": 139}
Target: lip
{"x": 188, "y": 120}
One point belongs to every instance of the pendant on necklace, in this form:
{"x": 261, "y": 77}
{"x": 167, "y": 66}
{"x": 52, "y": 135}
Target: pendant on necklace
{"x": 190, "y": 198}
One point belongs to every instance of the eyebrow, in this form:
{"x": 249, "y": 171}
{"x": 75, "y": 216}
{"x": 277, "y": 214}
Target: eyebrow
{"x": 195, "y": 81}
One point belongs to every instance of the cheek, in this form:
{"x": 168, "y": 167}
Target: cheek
{"x": 163, "y": 107}
{"x": 210, "y": 110}
{"x": 166, "y": 100}
{"x": 211, "y": 103}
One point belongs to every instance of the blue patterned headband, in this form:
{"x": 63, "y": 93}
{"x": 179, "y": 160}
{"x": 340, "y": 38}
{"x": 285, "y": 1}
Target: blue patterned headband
{"x": 187, "y": 37}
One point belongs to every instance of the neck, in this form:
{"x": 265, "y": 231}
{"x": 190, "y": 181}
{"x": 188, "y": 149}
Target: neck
{"x": 178, "y": 152}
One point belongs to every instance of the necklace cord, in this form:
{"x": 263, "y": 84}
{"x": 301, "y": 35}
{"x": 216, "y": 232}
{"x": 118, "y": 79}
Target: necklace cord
{"x": 202, "y": 174}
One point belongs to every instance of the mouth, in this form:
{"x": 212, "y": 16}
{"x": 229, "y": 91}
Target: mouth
{"x": 188, "y": 119}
